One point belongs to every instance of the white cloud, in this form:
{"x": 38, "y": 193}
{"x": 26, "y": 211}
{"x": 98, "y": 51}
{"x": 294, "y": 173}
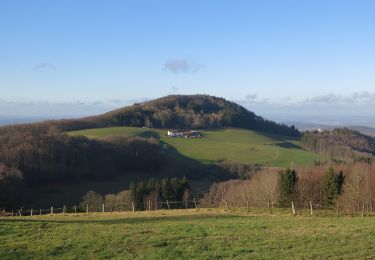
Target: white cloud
{"x": 356, "y": 98}
{"x": 181, "y": 65}
{"x": 44, "y": 65}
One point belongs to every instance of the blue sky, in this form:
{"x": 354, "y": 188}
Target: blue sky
{"x": 269, "y": 52}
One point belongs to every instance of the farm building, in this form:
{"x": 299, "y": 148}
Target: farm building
{"x": 174, "y": 133}
{"x": 183, "y": 134}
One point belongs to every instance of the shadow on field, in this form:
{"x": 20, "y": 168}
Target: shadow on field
{"x": 84, "y": 220}
{"x": 287, "y": 145}
{"x": 178, "y": 164}
{"x": 149, "y": 134}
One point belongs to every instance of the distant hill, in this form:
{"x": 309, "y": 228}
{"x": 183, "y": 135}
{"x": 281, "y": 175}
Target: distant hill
{"x": 43, "y": 153}
{"x": 306, "y": 126}
{"x": 183, "y": 111}
{"x": 340, "y": 143}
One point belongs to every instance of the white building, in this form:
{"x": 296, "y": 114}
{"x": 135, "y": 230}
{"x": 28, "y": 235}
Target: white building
{"x": 174, "y": 133}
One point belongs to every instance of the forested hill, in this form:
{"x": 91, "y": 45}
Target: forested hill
{"x": 183, "y": 111}
{"x": 43, "y": 152}
{"x": 340, "y": 143}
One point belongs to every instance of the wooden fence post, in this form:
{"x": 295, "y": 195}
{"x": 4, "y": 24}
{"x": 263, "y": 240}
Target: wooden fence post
{"x": 247, "y": 206}
{"x": 133, "y": 208}
{"x": 226, "y": 205}
{"x": 337, "y": 209}
{"x": 19, "y": 212}
{"x": 75, "y": 209}
{"x": 195, "y": 204}
{"x": 40, "y": 212}
{"x": 311, "y": 208}
{"x": 269, "y": 206}
{"x": 168, "y": 204}
{"x": 12, "y": 213}
{"x": 293, "y": 209}
{"x": 87, "y": 209}
{"x": 363, "y": 210}
{"x": 64, "y": 209}
{"x": 149, "y": 205}
{"x": 31, "y": 212}
{"x": 51, "y": 210}
{"x": 103, "y": 207}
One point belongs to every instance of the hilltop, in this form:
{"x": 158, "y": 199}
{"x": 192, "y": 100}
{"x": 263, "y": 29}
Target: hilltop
{"x": 184, "y": 112}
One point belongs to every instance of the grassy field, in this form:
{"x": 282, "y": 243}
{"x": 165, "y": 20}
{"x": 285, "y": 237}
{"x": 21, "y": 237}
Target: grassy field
{"x": 224, "y": 144}
{"x": 186, "y": 234}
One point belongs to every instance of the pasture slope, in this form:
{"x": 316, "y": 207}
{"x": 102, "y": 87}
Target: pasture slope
{"x": 187, "y": 234}
{"x": 232, "y": 144}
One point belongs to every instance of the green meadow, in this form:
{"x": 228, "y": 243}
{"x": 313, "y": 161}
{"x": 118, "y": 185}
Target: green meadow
{"x": 233, "y": 144}
{"x": 187, "y": 234}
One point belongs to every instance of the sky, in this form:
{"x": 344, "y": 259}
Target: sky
{"x": 274, "y": 57}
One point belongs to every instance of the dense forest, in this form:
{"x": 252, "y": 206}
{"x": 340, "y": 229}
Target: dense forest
{"x": 35, "y": 154}
{"x": 340, "y": 143}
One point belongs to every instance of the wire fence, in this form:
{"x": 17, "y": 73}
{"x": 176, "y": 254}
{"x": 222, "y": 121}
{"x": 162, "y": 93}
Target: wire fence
{"x": 295, "y": 208}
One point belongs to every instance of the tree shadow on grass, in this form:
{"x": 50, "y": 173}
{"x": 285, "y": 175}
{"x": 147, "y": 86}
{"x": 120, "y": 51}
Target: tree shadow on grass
{"x": 287, "y": 145}
{"x": 180, "y": 165}
{"x": 149, "y": 134}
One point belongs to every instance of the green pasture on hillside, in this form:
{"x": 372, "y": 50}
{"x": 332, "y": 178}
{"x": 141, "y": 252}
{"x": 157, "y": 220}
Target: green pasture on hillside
{"x": 233, "y": 144}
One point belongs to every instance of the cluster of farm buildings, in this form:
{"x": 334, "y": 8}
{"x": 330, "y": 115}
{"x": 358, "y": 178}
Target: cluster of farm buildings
{"x": 183, "y": 134}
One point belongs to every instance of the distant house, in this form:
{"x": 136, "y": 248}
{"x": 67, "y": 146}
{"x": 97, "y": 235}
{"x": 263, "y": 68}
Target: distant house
{"x": 174, "y": 133}
{"x": 183, "y": 134}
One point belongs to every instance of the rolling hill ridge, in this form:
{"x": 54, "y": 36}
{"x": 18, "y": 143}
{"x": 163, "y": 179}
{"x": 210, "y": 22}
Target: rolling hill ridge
{"x": 36, "y": 155}
{"x": 182, "y": 111}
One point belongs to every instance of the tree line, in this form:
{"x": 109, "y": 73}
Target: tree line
{"x": 153, "y": 194}
{"x": 350, "y": 185}
{"x": 36, "y": 155}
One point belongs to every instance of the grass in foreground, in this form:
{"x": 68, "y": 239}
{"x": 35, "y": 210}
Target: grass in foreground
{"x": 228, "y": 143}
{"x": 186, "y": 234}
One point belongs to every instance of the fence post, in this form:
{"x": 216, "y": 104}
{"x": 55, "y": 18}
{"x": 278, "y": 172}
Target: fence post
{"x": 64, "y": 209}
{"x": 168, "y": 204}
{"x": 31, "y": 212}
{"x": 51, "y": 210}
{"x": 19, "y": 212}
{"x": 363, "y": 210}
{"x": 40, "y": 212}
{"x": 118, "y": 207}
{"x": 226, "y": 205}
{"x": 269, "y": 206}
{"x": 247, "y": 206}
{"x": 87, "y": 209}
{"x": 75, "y": 209}
{"x": 149, "y": 205}
{"x": 337, "y": 209}
{"x": 195, "y": 204}
{"x": 311, "y": 208}
{"x": 133, "y": 208}
{"x": 293, "y": 209}
{"x": 12, "y": 213}
{"x": 103, "y": 207}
